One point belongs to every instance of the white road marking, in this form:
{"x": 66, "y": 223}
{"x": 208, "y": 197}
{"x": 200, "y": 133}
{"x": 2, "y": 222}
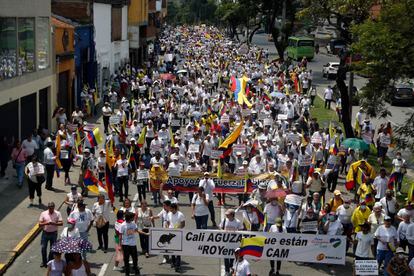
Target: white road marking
{"x": 103, "y": 270}
{"x": 222, "y": 269}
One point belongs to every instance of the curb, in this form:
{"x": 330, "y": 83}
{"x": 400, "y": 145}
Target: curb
{"x": 22, "y": 245}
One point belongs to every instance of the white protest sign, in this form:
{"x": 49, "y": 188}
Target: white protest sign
{"x": 221, "y": 244}
{"x": 246, "y": 112}
{"x": 193, "y": 148}
{"x": 305, "y": 160}
{"x": 240, "y": 148}
{"x": 225, "y": 119}
{"x": 385, "y": 140}
{"x": 175, "y": 123}
{"x": 268, "y": 121}
{"x": 366, "y": 267}
{"x": 282, "y": 117}
{"x": 316, "y": 138}
{"x": 263, "y": 116}
{"x": 142, "y": 174}
{"x": 215, "y": 154}
{"x": 309, "y": 226}
{"x": 114, "y": 120}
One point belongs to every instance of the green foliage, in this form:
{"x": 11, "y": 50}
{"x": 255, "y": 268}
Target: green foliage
{"x": 387, "y": 46}
{"x": 191, "y": 12}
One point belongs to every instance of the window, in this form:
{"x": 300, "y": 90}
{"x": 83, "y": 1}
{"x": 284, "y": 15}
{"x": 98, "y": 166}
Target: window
{"x": 116, "y": 24}
{"x": 42, "y": 42}
{"x": 26, "y": 45}
{"x": 305, "y": 43}
{"x": 8, "y": 48}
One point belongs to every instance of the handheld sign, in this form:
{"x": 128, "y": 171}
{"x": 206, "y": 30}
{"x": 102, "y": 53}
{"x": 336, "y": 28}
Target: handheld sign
{"x": 366, "y": 267}
{"x": 215, "y": 154}
{"x": 114, "y": 120}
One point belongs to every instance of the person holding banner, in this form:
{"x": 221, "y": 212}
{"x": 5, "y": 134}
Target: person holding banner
{"x": 175, "y": 220}
{"x": 209, "y": 186}
{"x": 276, "y": 228}
{"x": 230, "y": 223}
{"x": 241, "y": 266}
{"x": 200, "y": 209}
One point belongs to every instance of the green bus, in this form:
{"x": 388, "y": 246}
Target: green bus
{"x": 299, "y": 47}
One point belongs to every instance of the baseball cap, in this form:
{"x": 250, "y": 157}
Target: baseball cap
{"x": 337, "y": 192}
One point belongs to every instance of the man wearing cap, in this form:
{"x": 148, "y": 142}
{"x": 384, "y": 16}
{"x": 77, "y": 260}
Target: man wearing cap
{"x": 135, "y": 129}
{"x": 387, "y": 240}
{"x": 398, "y": 265}
{"x": 364, "y": 243}
{"x": 49, "y": 161}
{"x": 360, "y": 215}
{"x": 336, "y": 201}
{"x": 175, "y": 168}
{"x": 241, "y": 266}
{"x": 230, "y": 223}
{"x": 106, "y": 114}
{"x": 84, "y": 220}
{"x": 88, "y": 163}
{"x": 72, "y": 199}
{"x": 49, "y": 221}
{"x": 208, "y": 184}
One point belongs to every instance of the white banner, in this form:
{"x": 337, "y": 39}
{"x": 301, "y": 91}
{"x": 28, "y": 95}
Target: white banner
{"x": 175, "y": 123}
{"x": 221, "y": 244}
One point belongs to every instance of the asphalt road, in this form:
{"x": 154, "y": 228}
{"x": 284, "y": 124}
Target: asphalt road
{"x": 398, "y": 113}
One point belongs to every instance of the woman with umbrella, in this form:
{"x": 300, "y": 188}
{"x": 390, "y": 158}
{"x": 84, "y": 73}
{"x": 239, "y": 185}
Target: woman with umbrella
{"x": 78, "y": 266}
{"x": 273, "y": 209}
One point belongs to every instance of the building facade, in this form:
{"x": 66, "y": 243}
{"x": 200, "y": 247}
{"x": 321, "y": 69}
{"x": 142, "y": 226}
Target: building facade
{"x": 137, "y": 23}
{"x": 64, "y": 38}
{"x": 27, "y": 82}
{"x": 110, "y": 19}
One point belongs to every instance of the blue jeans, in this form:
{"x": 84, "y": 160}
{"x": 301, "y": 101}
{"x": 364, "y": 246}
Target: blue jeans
{"x": 84, "y": 236}
{"x": 384, "y": 256}
{"x": 47, "y": 238}
{"x": 201, "y": 221}
{"x": 20, "y": 173}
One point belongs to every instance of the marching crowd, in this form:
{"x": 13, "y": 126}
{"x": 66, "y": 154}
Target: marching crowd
{"x": 174, "y": 115}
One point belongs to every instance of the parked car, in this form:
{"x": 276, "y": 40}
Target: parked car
{"x": 335, "y": 46}
{"x": 330, "y": 69}
{"x": 355, "y": 94}
{"x": 402, "y": 93}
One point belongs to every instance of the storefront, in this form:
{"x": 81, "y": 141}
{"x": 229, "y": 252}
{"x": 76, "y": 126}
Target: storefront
{"x": 27, "y": 82}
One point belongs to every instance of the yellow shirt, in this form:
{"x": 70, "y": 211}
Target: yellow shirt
{"x": 359, "y": 217}
{"x": 365, "y": 190}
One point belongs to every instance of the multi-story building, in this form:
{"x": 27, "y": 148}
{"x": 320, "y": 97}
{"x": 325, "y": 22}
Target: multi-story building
{"x": 110, "y": 18}
{"x": 137, "y": 23}
{"x": 27, "y": 81}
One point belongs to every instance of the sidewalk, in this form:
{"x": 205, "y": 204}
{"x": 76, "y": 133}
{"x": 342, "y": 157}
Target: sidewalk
{"x": 19, "y": 222}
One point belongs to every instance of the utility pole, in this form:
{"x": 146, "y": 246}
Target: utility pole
{"x": 350, "y": 86}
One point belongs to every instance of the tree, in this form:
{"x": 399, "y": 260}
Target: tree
{"x": 387, "y": 47}
{"x": 347, "y": 13}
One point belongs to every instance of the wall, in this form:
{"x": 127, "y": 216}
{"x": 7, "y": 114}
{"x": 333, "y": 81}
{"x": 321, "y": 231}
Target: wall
{"x": 138, "y": 12}
{"x": 124, "y": 23}
{"x": 102, "y": 23}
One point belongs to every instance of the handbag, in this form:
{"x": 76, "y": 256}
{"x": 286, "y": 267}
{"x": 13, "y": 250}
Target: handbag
{"x": 15, "y": 159}
{"x": 101, "y": 221}
{"x": 40, "y": 179}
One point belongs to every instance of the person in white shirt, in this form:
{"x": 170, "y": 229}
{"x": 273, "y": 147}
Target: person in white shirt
{"x": 364, "y": 243}
{"x": 333, "y": 226}
{"x": 410, "y": 238}
{"x": 200, "y": 211}
{"x": 272, "y": 211}
{"x": 77, "y": 116}
{"x": 276, "y": 228}
{"x": 402, "y": 230}
{"x": 257, "y": 165}
{"x": 30, "y": 146}
{"x": 106, "y": 114}
{"x": 380, "y": 184}
{"x": 400, "y": 168}
{"x": 387, "y": 239}
{"x": 49, "y": 161}
{"x": 175, "y": 168}
{"x": 72, "y": 199}
{"x": 209, "y": 186}
{"x": 389, "y": 204}
{"x": 101, "y": 210}
{"x": 128, "y": 236}
{"x": 70, "y": 231}
{"x": 175, "y": 220}
{"x": 122, "y": 174}
{"x": 170, "y": 197}
{"x": 328, "y": 94}
{"x": 241, "y": 266}
{"x": 230, "y": 223}
{"x": 84, "y": 221}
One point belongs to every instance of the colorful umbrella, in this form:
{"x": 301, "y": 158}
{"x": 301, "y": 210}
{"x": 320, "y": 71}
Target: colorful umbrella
{"x": 167, "y": 76}
{"x": 277, "y": 95}
{"x": 71, "y": 245}
{"x": 277, "y": 193}
{"x": 355, "y": 143}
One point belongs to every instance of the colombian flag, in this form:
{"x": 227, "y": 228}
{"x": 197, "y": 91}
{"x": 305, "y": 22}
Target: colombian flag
{"x": 90, "y": 182}
{"x": 141, "y": 138}
{"x": 232, "y": 137}
{"x": 91, "y": 139}
{"x": 392, "y": 180}
{"x": 108, "y": 182}
{"x": 252, "y": 246}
